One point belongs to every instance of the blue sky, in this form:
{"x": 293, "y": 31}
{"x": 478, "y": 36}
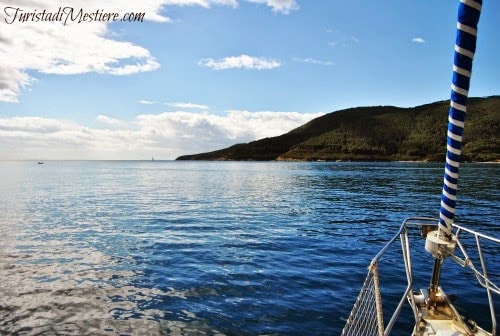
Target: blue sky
{"x": 199, "y": 75}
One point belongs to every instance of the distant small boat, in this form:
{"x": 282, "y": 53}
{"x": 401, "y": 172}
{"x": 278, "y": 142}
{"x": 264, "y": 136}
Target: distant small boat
{"x": 40, "y": 162}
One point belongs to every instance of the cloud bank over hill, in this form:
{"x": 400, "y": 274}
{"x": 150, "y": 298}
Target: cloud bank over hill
{"x": 164, "y": 136}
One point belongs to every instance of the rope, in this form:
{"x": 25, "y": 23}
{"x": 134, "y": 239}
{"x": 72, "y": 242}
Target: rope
{"x": 378, "y": 302}
{"x": 366, "y": 317}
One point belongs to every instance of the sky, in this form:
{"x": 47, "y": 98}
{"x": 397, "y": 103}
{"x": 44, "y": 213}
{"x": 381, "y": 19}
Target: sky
{"x": 188, "y": 76}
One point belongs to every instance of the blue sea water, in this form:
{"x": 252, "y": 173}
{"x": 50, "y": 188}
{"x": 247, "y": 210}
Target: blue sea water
{"x": 217, "y": 248}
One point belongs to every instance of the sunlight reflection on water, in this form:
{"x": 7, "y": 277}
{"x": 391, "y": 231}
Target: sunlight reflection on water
{"x": 206, "y": 248}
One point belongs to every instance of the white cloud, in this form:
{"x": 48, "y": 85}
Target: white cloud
{"x": 72, "y": 48}
{"x": 78, "y": 48}
{"x": 418, "y": 40}
{"x": 265, "y": 123}
{"x": 32, "y": 125}
{"x": 188, "y": 106}
{"x": 279, "y": 6}
{"x": 164, "y": 136}
{"x": 12, "y": 81}
{"x": 313, "y": 61}
{"x": 341, "y": 39}
{"x": 240, "y": 62}
{"x": 344, "y": 42}
{"x": 111, "y": 121}
{"x": 202, "y": 3}
{"x": 55, "y": 48}
{"x": 147, "y": 102}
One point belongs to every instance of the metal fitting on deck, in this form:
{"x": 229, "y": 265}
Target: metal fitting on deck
{"x": 438, "y": 247}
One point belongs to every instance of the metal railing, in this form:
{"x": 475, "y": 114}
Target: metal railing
{"x": 364, "y": 306}
{"x": 481, "y": 275}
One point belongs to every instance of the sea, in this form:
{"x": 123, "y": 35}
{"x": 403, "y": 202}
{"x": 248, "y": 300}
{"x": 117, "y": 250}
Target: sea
{"x": 222, "y": 248}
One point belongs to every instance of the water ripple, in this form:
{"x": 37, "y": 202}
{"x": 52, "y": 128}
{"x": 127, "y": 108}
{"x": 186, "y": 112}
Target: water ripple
{"x": 210, "y": 248}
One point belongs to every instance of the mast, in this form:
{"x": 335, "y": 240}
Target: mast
{"x": 441, "y": 243}
{"x": 433, "y": 311}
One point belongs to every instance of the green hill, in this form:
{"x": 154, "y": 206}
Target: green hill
{"x": 378, "y": 133}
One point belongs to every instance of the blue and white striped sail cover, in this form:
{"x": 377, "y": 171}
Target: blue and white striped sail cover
{"x": 465, "y": 47}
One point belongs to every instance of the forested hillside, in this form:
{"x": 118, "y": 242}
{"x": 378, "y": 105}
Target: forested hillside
{"x": 378, "y": 133}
